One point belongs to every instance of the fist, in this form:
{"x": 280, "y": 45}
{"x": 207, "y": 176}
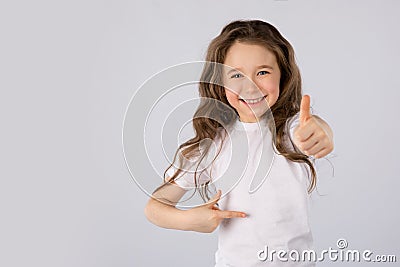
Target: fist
{"x": 312, "y": 136}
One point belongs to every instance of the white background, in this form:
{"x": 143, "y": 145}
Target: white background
{"x": 69, "y": 69}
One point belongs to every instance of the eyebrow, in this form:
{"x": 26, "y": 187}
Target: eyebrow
{"x": 259, "y": 67}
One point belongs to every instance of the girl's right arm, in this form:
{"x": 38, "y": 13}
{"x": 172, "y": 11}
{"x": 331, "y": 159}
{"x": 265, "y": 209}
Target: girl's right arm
{"x": 204, "y": 218}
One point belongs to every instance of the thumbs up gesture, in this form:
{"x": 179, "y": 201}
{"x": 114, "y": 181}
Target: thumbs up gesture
{"x": 312, "y": 136}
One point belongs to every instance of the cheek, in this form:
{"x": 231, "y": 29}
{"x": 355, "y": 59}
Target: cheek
{"x": 274, "y": 96}
{"x": 275, "y": 92}
{"x": 232, "y": 98}
{"x": 272, "y": 89}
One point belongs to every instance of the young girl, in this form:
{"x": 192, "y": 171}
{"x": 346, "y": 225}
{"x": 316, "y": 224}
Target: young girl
{"x": 270, "y": 129}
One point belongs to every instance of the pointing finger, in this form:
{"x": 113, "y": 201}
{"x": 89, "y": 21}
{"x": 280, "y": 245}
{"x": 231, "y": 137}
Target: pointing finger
{"x": 231, "y": 214}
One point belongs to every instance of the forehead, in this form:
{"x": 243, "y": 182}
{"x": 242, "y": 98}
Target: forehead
{"x": 245, "y": 55}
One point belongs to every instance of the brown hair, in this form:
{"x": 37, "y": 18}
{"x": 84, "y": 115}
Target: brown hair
{"x": 210, "y": 115}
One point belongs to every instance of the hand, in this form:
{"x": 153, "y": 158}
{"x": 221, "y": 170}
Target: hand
{"x": 312, "y": 136}
{"x": 207, "y": 217}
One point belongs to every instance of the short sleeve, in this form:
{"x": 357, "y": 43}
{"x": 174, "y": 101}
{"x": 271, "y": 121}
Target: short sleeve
{"x": 208, "y": 165}
{"x": 292, "y": 124}
{"x": 186, "y": 178}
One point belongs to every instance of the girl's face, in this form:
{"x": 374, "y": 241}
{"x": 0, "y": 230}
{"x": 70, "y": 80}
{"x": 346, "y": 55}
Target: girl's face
{"x": 251, "y": 80}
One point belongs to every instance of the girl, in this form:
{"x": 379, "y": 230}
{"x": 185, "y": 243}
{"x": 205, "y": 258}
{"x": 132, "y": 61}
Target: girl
{"x": 262, "y": 211}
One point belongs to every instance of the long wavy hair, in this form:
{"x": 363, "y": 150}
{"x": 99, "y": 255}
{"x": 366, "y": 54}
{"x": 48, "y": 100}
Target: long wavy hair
{"x": 211, "y": 115}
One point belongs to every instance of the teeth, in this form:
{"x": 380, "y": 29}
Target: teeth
{"x": 253, "y": 101}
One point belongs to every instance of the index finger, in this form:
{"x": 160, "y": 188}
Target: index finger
{"x": 231, "y": 214}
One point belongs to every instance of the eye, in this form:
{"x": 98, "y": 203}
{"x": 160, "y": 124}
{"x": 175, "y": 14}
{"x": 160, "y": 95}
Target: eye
{"x": 237, "y": 75}
{"x": 263, "y": 72}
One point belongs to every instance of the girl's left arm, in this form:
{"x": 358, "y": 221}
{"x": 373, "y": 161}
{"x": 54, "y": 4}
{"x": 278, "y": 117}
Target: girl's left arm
{"x": 313, "y": 136}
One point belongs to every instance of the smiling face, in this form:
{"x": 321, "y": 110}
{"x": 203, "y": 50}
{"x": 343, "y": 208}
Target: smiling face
{"x": 251, "y": 80}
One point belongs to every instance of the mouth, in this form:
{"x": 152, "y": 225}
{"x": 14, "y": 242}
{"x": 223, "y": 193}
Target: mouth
{"x": 253, "y": 101}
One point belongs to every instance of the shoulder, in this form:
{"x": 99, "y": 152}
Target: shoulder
{"x": 216, "y": 147}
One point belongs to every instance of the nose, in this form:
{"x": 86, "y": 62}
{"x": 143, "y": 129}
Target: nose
{"x": 250, "y": 89}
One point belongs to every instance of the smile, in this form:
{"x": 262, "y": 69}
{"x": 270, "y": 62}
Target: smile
{"x": 253, "y": 101}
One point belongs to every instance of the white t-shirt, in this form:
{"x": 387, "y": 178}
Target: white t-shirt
{"x": 273, "y": 195}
